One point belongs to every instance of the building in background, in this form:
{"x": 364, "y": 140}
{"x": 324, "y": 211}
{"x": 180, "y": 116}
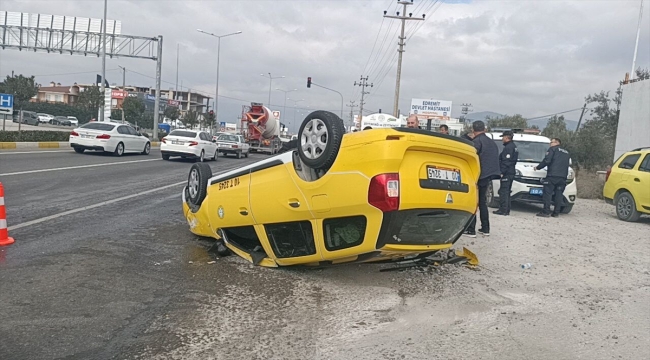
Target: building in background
{"x": 58, "y": 94}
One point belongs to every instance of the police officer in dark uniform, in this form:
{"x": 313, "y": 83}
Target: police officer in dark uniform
{"x": 507, "y": 161}
{"x": 557, "y": 161}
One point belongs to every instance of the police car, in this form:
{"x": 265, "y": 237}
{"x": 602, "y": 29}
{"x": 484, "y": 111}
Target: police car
{"x": 527, "y": 186}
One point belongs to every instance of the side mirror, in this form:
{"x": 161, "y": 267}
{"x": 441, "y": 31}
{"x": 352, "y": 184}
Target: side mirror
{"x": 214, "y": 140}
{"x": 570, "y": 162}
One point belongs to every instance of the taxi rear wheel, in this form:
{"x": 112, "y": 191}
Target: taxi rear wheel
{"x": 197, "y": 182}
{"x": 320, "y": 137}
{"x": 626, "y": 207}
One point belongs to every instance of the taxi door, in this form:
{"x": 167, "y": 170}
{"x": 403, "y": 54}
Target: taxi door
{"x": 284, "y": 221}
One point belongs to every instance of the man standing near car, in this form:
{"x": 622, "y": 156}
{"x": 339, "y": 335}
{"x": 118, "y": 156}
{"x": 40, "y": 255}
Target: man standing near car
{"x": 444, "y": 129}
{"x": 488, "y": 154}
{"x": 412, "y": 122}
{"x": 507, "y": 161}
{"x": 557, "y": 161}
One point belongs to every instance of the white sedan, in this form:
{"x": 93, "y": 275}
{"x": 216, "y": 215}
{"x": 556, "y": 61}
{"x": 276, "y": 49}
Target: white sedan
{"x": 189, "y": 144}
{"x": 233, "y": 144}
{"x": 110, "y": 137}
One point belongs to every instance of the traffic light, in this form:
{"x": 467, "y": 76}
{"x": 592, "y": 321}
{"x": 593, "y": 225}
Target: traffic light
{"x": 309, "y": 82}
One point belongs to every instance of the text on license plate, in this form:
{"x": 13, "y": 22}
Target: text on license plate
{"x": 177, "y": 143}
{"x": 434, "y": 173}
{"x": 536, "y": 191}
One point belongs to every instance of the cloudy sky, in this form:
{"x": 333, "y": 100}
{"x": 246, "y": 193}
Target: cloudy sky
{"x": 528, "y": 57}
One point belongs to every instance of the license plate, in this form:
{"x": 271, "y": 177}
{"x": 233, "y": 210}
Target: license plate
{"x": 536, "y": 191}
{"x": 87, "y": 136}
{"x": 225, "y": 146}
{"x": 177, "y": 143}
{"x": 437, "y": 173}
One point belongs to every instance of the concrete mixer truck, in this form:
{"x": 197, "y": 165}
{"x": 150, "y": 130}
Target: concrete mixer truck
{"x": 261, "y": 129}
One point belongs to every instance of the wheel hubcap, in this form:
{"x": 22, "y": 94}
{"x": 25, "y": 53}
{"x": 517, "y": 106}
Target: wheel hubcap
{"x": 120, "y": 149}
{"x": 313, "y": 139}
{"x": 193, "y": 184}
{"x": 624, "y": 207}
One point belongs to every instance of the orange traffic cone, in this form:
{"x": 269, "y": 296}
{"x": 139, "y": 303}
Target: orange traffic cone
{"x": 4, "y": 234}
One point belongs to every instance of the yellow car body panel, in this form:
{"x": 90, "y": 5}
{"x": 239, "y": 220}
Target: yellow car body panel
{"x": 634, "y": 180}
{"x": 270, "y": 193}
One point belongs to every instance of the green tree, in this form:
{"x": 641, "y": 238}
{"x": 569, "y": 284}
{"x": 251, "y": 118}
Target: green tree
{"x": 589, "y": 148}
{"x": 191, "y": 119}
{"x": 556, "y": 128}
{"x": 91, "y": 99}
{"x": 642, "y": 74}
{"x": 133, "y": 110}
{"x": 515, "y": 121}
{"x": 604, "y": 117}
{"x": 208, "y": 119}
{"x": 23, "y": 88}
{"x": 172, "y": 112}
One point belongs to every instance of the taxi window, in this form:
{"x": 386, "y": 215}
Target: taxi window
{"x": 424, "y": 226}
{"x": 629, "y": 161}
{"x": 291, "y": 239}
{"x": 343, "y": 233}
{"x": 645, "y": 165}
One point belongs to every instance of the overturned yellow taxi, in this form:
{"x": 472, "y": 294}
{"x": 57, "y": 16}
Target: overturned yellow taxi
{"x": 369, "y": 196}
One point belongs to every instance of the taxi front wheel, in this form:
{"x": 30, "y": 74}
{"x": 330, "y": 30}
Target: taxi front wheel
{"x": 319, "y": 139}
{"x": 197, "y": 182}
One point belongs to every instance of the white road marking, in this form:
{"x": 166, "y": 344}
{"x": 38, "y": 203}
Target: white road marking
{"x": 108, "y": 202}
{"x": 69, "y": 212}
{"x": 78, "y": 167}
{"x": 33, "y": 152}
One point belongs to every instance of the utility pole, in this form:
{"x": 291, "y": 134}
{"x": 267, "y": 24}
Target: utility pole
{"x": 177, "y": 52}
{"x": 363, "y": 82}
{"x": 401, "y": 44}
{"x": 270, "y": 84}
{"x": 464, "y": 110}
{"x": 636, "y": 46}
{"x": 101, "y": 115}
{"x": 352, "y": 106}
{"x": 123, "y": 89}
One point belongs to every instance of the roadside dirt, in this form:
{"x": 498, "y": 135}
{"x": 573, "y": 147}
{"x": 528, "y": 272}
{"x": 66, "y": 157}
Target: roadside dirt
{"x": 587, "y": 296}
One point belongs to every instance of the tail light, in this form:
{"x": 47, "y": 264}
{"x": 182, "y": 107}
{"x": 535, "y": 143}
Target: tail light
{"x": 383, "y": 192}
{"x": 609, "y": 171}
{"x": 164, "y": 140}
{"x": 235, "y": 146}
{"x": 103, "y": 136}
{"x": 193, "y": 143}
{"x": 74, "y": 133}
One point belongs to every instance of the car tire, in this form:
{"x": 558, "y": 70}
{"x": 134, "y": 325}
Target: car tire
{"x": 201, "y": 157}
{"x": 246, "y": 155}
{"x": 197, "y": 183}
{"x": 119, "y": 149}
{"x": 165, "y": 157}
{"x": 79, "y": 150}
{"x": 320, "y": 137}
{"x": 626, "y": 207}
{"x": 147, "y": 149}
{"x": 239, "y": 155}
{"x": 216, "y": 155}
{"x": 491, "y": 200}
{"x": 566, "y": 209}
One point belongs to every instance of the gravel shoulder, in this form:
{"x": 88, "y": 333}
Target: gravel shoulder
{"x": 587, "y": 296}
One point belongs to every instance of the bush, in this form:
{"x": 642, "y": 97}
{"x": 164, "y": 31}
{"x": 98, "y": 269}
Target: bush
{"x": 590, "y": 185}
{"x": 34, "y": 136}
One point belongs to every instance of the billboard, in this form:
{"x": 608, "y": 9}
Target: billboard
{"x": 437, "y": 110}
{"x": 378, "y": 121}
{"x": 59, "y": 22}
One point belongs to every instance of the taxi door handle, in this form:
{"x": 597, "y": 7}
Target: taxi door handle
{"x": 294, "y": 204}
{"x": 637, "y": 180}
{"x": 243, "y": 212}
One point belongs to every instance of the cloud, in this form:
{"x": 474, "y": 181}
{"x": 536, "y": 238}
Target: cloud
{"x": 528, "y": 57}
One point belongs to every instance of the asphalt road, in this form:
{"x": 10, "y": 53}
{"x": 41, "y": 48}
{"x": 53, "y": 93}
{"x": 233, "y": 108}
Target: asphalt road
{"x": 84, "y": 283}
{"x": 104, "y": 267}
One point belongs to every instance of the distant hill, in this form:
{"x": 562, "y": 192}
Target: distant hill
{"x": 541, "y": 123}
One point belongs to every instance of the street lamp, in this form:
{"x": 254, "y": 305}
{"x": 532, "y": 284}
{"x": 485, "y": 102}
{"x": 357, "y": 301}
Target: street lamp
{"x": 284, "y": 108}
{"x": 271, "y": 82}
{"x": 216, "y": 96}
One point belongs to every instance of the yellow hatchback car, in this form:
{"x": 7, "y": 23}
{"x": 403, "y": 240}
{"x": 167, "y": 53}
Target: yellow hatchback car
{"x": 370, "y": 196}
{"x": 627, "y": 184}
